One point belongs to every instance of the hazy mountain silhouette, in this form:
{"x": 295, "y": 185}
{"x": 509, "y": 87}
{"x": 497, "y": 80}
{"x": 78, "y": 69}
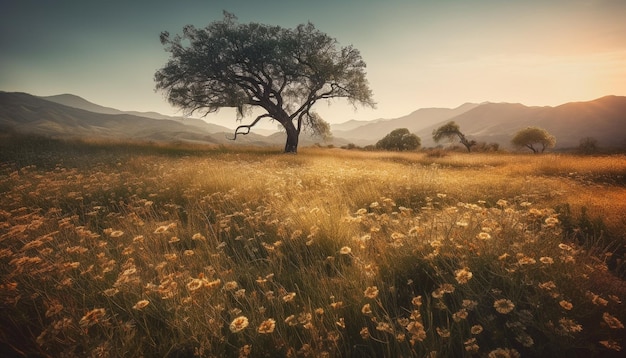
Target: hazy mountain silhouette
{"x": 29, "y": 114}
{"x": 74, "y": 101}
{"x": 371, "y": 132}
{"x": 603, "y": 119}
{"x": 71, "y": 116}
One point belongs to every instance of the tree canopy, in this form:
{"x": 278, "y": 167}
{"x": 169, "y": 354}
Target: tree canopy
{"x": 282, "y": 71}
{"x": 532, "y": 138}
{"x": 399, "y": 139}
{"x": 450, "y": 131}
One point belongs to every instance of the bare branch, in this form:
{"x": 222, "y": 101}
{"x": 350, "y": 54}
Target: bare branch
{"x": 248, "y": 126}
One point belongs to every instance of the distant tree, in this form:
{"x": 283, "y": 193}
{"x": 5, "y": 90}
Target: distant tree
{"x": 534, "y": 138}
{"x": 588, "y": 145}
{"x": 450, "y": 131}
{"x": 399, "y": 139}
{"x": 282, "y": 71}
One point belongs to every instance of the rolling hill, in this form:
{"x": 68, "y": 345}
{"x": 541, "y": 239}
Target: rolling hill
{"x": 603, "y": 119}
{"x": 69, "y": 116}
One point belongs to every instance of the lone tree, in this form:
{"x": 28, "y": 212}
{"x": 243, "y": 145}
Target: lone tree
{"x": 282, "y": 71}
{"x": 451, "y": 130}
{"x": 399, "y": 139}
{"x": 533, "y": 138}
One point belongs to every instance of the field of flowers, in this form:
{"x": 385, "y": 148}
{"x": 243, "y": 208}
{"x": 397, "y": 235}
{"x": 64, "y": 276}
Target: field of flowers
{"x": 111, "y": 250}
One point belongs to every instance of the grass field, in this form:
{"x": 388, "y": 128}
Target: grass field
{"x": 128, "y": 250}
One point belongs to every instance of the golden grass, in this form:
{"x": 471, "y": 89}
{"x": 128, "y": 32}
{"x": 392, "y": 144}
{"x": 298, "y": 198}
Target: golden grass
{"x": 227, "y": 252}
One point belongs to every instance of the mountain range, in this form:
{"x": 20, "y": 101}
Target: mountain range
{"x": 603, "y": 119}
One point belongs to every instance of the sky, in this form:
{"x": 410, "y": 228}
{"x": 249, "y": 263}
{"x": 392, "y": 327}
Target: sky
{"x": 419, "y": 53}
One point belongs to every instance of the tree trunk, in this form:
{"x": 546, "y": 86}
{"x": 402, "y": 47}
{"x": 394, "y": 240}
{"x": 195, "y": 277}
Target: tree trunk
{"x": 291, "y": 146}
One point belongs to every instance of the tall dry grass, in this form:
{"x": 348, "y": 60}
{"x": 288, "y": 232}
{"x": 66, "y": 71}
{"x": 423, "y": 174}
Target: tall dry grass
{"x": 110, "y": 250}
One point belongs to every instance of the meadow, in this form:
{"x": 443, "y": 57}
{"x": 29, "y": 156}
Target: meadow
{"x": 147, "y": 250}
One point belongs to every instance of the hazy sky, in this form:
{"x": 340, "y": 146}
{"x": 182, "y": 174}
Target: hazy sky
{"x": 418, "y": 53}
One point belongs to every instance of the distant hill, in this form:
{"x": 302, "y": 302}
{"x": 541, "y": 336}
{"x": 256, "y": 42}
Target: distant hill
{"x": 603, "y": 119}
{"x": 29, "y": 114}
{"x": 74, "y": 101}
{"x": 71, "y": 116}
{"x": 371, "y": 132}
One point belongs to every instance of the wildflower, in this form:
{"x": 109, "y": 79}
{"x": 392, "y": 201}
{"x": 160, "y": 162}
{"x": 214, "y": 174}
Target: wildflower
{"x": 213, "y": 284}
{"x": 459, "y": 315}
{"x": 238, "y": 324}
{"x": 503, "y": 306}
{"x": 366, "y": 309}
{"x": 566, "y": 305}
{"x": 504, "y": 353}
{"x": 615, "y": 299}
{"x": 463, "y": 275}
{"x": 611, "y": 344}
{"x": 54, "y": 308}
{"x": 319, "y": 311}
{"x": 438, "y": 293}
{"x": 161, "y": 229}
{"x": 611, "y": 321}
{"x": 596, "y": 299}
{"x": 551, "y": 221}
{"x": 291, "y": 320}
{"x": 525, "y": 260}
{"x": 230, "y": 286}
{"x": 446, "y": 288}
{"x": 241, "y": 293}
{"x": 196, "y": 284}
{"x": 476, "y": 329}
{"x": 174, "y": 239}
{"x": 417, "y": 330}
{"x": 469, "y": 304}
{"x": 417, "y": 301}
{"x": 548, "y": 286}
{"x": 346, "y": 250}
{"x": 384, "y": 327}
{"x": 267, "y": 326}
{"x": 116, "y": 233}
{"x": 502, "y": 203}
{"x": 565, "y": 247}
{"x": 471, "y": 346}
{"x": 304, "y": 317}
{"x": 546, "y": 260}
{"x": 341, "y": 323}
{"x": 443, "y": 332}
{"x": 110, "y": 292}
{"x": 245, "y": 351}
{"x": 141, "y": 304}
{"x": 483, "y": 236}
{"x": 198, "y": 237}
{"x": 569, "y": 326}
{"x": 289, "y": 297}
{"x": 336, "y": 305}
{"x": 92, "y": 317}
{"x": 365, "y": 333}
{"x": 371, "y": 292}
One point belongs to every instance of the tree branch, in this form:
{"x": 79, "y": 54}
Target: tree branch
{"x": 248, "y": 126}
